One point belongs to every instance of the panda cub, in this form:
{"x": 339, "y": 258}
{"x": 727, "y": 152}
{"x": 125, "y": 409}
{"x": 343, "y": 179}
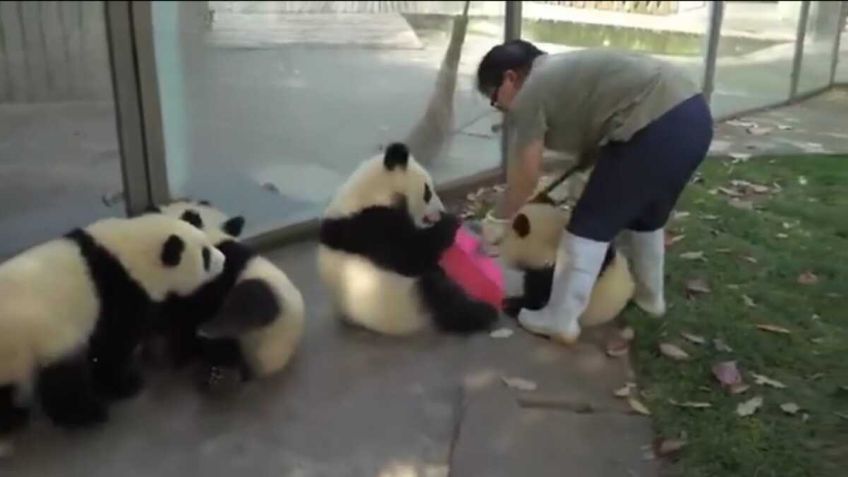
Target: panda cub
{"x": 381, "y": 238}
{"x": 245, "y": 324}
{"x": 73, "y": 310}
{"x": 530, "y": 245}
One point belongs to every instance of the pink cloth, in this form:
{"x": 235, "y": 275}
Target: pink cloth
{"x": 478, "y": 274}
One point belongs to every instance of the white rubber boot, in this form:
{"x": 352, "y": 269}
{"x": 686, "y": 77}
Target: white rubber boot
{"x": 647, "y": 250}
{"x": 577, "y": 266}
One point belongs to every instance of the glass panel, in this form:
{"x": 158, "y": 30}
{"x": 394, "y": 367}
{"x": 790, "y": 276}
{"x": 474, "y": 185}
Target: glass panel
{"x": 822, "y": 25}
{"x": 59, "y": 153}
{"x": 756, "y": 50}
{"x": 268, "y": 106}
{"x": 674, "y": 31}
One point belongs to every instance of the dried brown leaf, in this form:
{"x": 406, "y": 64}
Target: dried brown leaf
{"x": 790, "y": 408}
{"x": 625, "y": 390}
{"x": 729, "y": 192}
{"x": 699, "y": 255}
{"x": 738, "y": 388}
{"x": 759, "y": 130}
{"x": 781, "y": 236}
{"x": 748, "y": 301}
{"x": 627, "y": 334}
{"x": 749, "y": 407}
{"x": 693, "y": 338}
{"x": 690, "y": 404}
{"x": 617, "y": 347}
{"x": 763, "y": 380}
{"x": 637, "y": 406}
{"x": 667, "y": 447}
{"x": 520, "y": 384}
{"x": 673, "y": 351}
{"x": 773, "y": 328}
{"x": 727, "y": 373}
{"x": 749, "y": 258}
{"x": 501, "y": 333}
{"x": 741, "y": 204}
{"x": 680, "y": 215}
{"x": 696, "y": 286}
{"x": 808, "y": 278}
{"x": 720, "y": 345}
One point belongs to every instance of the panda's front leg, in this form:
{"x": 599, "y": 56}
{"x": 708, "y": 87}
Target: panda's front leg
{"x": 116, "y": 373}
{"x": 536, "y": 292}
{"x": 67, "y": 395}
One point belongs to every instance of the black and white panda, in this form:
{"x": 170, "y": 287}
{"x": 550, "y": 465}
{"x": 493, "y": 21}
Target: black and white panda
{"x": 530, "y": 245}
{"x": 74, "y": 309}
{"x": 381, "y": 239}
{"x": 245, "y": 324}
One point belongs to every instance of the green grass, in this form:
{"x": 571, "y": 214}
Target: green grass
{"x": 812, "y": 360}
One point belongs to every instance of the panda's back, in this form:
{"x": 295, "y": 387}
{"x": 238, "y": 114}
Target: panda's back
{"x": 48, "y": 301}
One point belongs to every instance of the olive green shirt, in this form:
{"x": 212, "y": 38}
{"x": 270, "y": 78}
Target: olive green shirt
{"x": 579, "y": 101}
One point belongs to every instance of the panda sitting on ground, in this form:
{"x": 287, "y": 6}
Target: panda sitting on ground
{"x": 247, "y": 323}
{"x": 530, "y": 245}
{"x": 381, "y": 239}
{"x": 73, "y": 310}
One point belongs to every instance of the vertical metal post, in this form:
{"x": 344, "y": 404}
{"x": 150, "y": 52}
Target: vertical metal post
{"x": 834, "y": 60}
{"x": 128, "y": 114}
{"x": 800, "y": 33}
{"x": 512, "y": 31}
{"x": 150, "y": 103}
{"x": 711, "y": 52}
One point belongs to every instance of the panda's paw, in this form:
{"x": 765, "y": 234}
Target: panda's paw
{"x": 125, "y": 385}
{"x": 219, "y": 380}
{"x": 82, "y": 413}
{"x": 512, "y": 306}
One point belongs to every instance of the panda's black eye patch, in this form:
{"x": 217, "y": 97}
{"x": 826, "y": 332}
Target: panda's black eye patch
{"x": 428, "y": 194}
{"x": 207, "y": 258}
{"x": 193, "y": 218}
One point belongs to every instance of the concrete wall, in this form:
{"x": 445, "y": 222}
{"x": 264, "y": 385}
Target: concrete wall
{"x": 53, "y": 51}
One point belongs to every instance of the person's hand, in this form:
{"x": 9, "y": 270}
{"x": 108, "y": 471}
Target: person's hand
{"x": 493, "y": 229}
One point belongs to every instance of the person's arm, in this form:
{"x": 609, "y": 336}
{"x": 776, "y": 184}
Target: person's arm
{"x": 523, "y": 176}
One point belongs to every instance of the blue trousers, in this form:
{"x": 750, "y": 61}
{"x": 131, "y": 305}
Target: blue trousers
{"x": 635, "y": 184}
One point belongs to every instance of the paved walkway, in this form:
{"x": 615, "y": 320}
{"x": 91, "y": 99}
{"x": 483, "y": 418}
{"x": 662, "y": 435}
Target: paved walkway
{"x": 356, "y": 404}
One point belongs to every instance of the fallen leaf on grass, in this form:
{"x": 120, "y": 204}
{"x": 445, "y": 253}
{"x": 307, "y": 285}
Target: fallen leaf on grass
{"x": 739, "y": 157}
{"x": 749, "y": 258}
{"x": 740, "y": 123}
{"x": 690, "y": 404}
{"x": 692, "y": 255}
{"x": 709, "y": 217}
{"x": 693, "y": 338}
{"x": 501, "y": 333}
{"x": 520, "y": 384}
{"x": 732, "y": 286}
{"x": 627, "y": 334}
{"x": 748, "y": 301}
{"x": 723, "y": 250}
{"x": 841, "y": 415}
{"x": 727, "y": 373}
{"x": 637, "y": 406}
{"x": 773, "y": 328}
{"x": 741, "y": 204}
{"x": 802, "y": 180}
{"x": 808, "y": 278}
{"x": 781, "y": 236}
{"x": 625, "y": 390}
{"x": 671, "y": 239}
{"x": 749, "y": 407}
{"x": 767, "y": 381}
{"x": 759, "y": 130}
{"x": 729, "y": 192}
{"x": 720, "y": 345}
{"x": 666, "y": 447}
{"x": 617, "y": 347}
{"x": 784, "y": 127}
{"x": 681, "y": 215}
{"x": 673, "y": 351}
{"x": 790, "y": 408}
{"x": 697, "y": 285}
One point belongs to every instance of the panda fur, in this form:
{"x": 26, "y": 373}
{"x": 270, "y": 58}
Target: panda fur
{"x": 381, "y": 238}
{"x": 530, "y": 245}
{"x": 245, "y": 324}
{"x": 73, "y": 310}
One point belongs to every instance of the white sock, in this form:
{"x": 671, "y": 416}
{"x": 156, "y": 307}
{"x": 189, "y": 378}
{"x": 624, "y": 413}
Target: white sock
{"x": 647, "y": 250}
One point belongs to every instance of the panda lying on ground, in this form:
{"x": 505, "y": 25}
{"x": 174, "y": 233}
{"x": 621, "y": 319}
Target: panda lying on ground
{"x": 245, "y": 324}
{"x": 530, "y": 245}
{"x": 73, "y": 310}
{"x": 381, "y": 239}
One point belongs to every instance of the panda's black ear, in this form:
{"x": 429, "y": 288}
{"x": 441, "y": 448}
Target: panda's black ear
{"x": 193, "y": 218}
{"x": 397, "y": 155}
{"x": 234, "y": 226}
{"x": 521, "y": 225}
{"x": 172, "y": 251}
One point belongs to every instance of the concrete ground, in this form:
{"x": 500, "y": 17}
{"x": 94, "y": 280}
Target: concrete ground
{"x": 357, "y": 404}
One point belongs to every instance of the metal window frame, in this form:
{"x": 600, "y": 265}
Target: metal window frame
{"x": 837, "y": 42}
{"x": 711, "y": 51}
{"x": 797, "y": 60}
{"x": 512, "y": 31}
{"x": 129, "y": 115}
